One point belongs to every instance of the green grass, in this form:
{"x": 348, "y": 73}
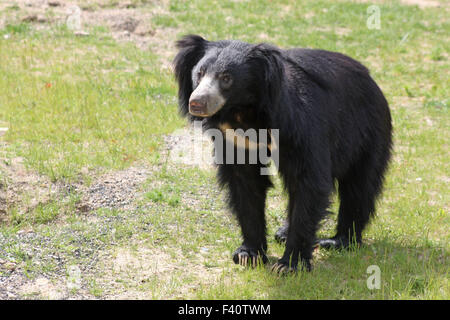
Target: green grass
{"x": 76, "y": 103}
{"x": 72, "y": 103}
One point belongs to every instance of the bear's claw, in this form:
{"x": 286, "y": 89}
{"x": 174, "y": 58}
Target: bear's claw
{"x": 246, "y": 256}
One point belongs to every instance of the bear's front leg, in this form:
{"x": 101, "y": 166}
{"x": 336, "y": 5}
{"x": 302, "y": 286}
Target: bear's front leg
{"x": 247, "y": 190}
{"x": 308, "y": 201}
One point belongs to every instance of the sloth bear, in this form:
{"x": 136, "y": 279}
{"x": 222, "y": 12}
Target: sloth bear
{"x": 333, "y": 122}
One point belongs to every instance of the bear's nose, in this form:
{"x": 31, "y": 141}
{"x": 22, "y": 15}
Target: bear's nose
{"x": 197, "y": 106}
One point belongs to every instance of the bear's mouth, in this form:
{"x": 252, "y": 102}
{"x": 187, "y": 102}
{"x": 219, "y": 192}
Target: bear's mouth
{"x": 198, "y": 110}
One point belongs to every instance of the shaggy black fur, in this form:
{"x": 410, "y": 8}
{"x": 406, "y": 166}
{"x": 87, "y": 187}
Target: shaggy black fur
{"x": 334, "y": 125}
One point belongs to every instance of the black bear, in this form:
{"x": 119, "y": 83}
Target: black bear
{"x": 333, "y": 122}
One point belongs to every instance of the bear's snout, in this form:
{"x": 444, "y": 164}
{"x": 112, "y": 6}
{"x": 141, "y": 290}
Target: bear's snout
{"x": 197, "y": 106}
{"x": 206, "y": 99}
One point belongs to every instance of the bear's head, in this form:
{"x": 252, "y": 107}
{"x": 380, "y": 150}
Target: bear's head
{"x": 216, "y": 76}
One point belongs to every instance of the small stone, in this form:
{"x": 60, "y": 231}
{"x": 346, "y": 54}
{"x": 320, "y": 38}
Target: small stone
{"x": 143, "y": 30}
{"x": 53, "y": 3}
{"x": 81, "y": 33}
{"x": 128, "y": 5}
{"x": 83, "y": 207}
{"x": 41, "y": 19}
{"x": 129, "y": 24}
{"x": 35, "y": 18}
{"x": 24, "y": 231}
{"x": 11, "y": 266}
{"x": 30, "y": 18}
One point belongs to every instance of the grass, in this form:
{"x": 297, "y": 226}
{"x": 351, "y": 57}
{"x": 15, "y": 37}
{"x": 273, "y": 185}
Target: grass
{"x": 87, "y": 103}
{"x": 77, "y": 105}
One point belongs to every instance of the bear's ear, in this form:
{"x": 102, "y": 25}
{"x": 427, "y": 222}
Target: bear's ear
{"x": 191, "y": 49}
{"x": 268, "y": 59}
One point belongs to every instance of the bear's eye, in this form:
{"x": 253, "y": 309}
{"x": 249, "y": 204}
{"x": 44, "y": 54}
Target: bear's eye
{"x": 226, "y": 79}
{"x": 201, "y": 73}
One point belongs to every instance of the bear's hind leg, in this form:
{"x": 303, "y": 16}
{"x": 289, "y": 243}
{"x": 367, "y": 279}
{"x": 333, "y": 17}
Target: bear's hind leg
{"x": 358, "y": 191}
{"x": 282, "y": 233}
